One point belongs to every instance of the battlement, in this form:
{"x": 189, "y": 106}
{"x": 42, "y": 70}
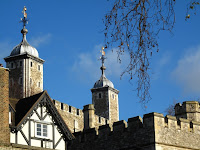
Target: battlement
{"x": 151, "y": 120}
{"x": 68, "y": 109}
{"x": 72, "y": 116}
{"x": 152, "y": 128}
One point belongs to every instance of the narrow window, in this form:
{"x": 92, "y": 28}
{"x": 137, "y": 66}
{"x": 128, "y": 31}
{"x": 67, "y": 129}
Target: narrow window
{"x": 61, "y": 106}
{"x": 30, "y": 81}
{"x": 39, "y": 67}
{"x": 11, "y": 65}
{"x": 113, "y": 96}
{"x": 38, "y": 84}
{"x": 20, "y": 63}
{"x": 10, "y": 117}
{"x": 31, "y": 64}
{"x": 77, "y": 112}
{"x": 99, "y": 119}
{"x": 99, "y": 95}
{"x": 70, "y": 109}
{"x": 20, "y": 81}
{"x": 54, "y": 102}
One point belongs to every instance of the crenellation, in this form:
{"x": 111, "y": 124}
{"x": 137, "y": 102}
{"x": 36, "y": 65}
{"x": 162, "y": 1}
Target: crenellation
{"x": 74, "y": 121}
{"x": 105, "y": 130}
{"x": 184, "y": 124}
{"x": 135, "y": 123}
{"x": 171, "y": 121}
{"x": 119, "y": 126}
{"x": 90, "y": 134}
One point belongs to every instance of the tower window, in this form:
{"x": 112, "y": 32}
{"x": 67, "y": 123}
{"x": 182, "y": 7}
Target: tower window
{"x": 70, "y": 109}
{"x": 30, "y": 81}
{"x": 113, "y": 96}
{"x": 100, "y": 96}
{"x": 38, "y": 84}
{"x": 31, "y": 64}
{"x": 61, "y": 106}
{"x": 20, "y": 81}
{"x": 77, "y": 112}
{"x": 11, "y": 65}
{"x": 20, "y": 63}
{"x": 39, "y": 67}
{"x": 99, "y": 119}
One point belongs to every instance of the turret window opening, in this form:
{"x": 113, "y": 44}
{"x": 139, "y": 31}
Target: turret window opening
{"x": 61, "y": 106}
{"x": 38, "y": 84}
{"x": 20, "y": 63}
{"x": 70, "y": 109}
{"x": 20, "y": 81}
{"x": 100, "y": 96}
{"x": 113, "y": 96}
{"x": 77, "y": 112}
{"x": 11, "y": 65}
{"x": 39, "y": 67}
{"x": 99, "y": 119}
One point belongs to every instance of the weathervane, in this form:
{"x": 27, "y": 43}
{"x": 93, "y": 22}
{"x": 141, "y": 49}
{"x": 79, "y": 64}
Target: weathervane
{"x": 102, "y": 58}
{"x": 24, "y": 20}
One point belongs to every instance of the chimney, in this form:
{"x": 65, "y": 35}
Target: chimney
{"x": 89, "y": 120}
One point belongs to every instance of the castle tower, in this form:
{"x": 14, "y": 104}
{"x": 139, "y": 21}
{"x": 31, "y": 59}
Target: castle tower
{"x": 26, "y": 68}
{"x": 105, "y": 96}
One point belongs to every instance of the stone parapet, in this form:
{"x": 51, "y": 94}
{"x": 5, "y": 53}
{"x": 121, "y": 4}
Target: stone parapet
{"x": 147, "y": 133}
{"x": 72, "y": 116}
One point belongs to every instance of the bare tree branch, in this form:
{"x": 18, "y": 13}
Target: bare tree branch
{"x": 133, "y": 26}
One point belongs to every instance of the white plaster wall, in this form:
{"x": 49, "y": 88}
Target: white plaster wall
{"x": 12, "y": 137}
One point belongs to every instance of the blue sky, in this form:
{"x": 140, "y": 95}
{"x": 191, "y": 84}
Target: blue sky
{"x": 68, "y": 36}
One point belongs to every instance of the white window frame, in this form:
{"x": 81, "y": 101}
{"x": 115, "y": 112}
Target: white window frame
{"x": 42, "y": 127}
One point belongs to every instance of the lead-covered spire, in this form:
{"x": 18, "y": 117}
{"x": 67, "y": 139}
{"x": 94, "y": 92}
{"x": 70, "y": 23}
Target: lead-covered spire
{"x": 103, "y": 81}
{"x": 24, "y": 47}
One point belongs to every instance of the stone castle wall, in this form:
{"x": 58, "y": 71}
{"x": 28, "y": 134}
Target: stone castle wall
{"x": 152, "y": 132}
{"x": 121, "y": 136}
{"x": 72, "y": 116}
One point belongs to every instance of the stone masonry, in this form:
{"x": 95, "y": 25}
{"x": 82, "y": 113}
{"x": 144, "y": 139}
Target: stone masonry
{"x": 153, "y": 132}
{"x": 4, "y": 106}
